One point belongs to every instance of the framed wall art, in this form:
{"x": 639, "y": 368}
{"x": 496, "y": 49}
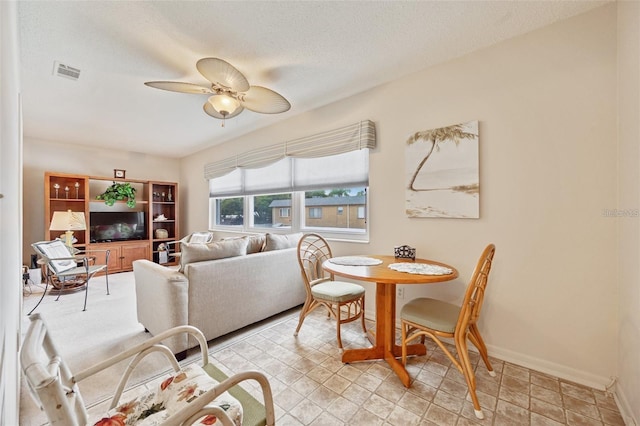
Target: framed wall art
{"x": 442, "y": 169}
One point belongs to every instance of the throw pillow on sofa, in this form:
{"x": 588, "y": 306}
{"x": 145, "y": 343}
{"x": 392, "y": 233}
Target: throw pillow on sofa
{"x": 211, "y": 251}
{"x": 255, "y": 243}
{"x": 281, "y": 241}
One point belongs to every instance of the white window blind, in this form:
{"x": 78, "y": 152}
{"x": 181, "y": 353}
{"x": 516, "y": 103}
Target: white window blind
{"x": 348, "y": 138}
{"x": 229, "y": 184}
{"x": 338, "y": 157}
{"x": 273, "y": 178}
{"x": 348, "y": 169}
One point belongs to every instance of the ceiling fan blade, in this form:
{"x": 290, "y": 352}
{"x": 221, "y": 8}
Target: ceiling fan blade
{"x": 208, "y": 108}
{"x": 176, "y": 86}
{"x": 222, "y": 73}
{"x": 263, "y": 100}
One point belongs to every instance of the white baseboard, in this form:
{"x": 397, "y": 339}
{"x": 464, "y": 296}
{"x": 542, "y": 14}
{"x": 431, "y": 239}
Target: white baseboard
{"x": 625, "y": 408}
{"x": 551, "y": 368}
{"x": 556, "y": 370}
{"x": 541, "y": 365}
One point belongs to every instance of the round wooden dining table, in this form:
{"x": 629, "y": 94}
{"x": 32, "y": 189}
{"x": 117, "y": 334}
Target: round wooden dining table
{"x": 386, "y": 279}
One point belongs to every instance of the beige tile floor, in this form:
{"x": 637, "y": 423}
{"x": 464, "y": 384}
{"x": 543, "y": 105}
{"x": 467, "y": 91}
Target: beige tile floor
{"x": 312, "y": 387}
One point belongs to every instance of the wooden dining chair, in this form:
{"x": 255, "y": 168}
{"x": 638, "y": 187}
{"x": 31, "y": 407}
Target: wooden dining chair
{"x": 344, "y": 301}
{"x": 438, "y": 319}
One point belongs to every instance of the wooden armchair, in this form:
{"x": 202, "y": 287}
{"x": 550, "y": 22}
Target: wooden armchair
{"x": 197, "y": 392}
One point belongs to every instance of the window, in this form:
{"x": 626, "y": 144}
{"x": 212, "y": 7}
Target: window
{"x": 317, "y": 183}
{"x": 310, "y": 211}
{"x": 267, "y": 211}
{"x": 335, "y": 210}
{"x": 229, "y": 211}
{"x": 315, "y": 212}
{"x": 285, "y": 212}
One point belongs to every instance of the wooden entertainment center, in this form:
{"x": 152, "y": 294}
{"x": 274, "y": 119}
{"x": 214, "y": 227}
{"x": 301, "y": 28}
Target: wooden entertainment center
{"x": 124, "y": 239}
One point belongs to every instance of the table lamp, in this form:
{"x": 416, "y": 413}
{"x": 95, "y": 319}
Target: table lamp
{"x": 68, "y": 221}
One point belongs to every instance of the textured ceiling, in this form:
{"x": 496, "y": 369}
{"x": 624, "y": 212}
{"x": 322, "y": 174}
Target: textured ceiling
{"x": 312, "y": 52}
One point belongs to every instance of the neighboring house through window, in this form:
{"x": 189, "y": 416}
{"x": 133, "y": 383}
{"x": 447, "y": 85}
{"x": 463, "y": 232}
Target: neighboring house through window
{"x": 315, "y": 213}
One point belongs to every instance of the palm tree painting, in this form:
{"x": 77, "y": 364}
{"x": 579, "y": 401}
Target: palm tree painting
{"x": 442, "y": 172}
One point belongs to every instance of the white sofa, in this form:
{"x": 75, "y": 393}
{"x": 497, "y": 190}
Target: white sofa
{"x": 217, "y": 296}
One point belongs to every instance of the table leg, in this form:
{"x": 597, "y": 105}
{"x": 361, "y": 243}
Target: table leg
{"x": 385, "y": 340}
{"x": 378, "y": 349}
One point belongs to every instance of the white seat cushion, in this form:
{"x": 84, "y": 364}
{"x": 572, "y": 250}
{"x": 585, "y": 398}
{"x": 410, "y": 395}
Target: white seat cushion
{"x": 174, "y": 393}
{"x": 431, "y": 313}
{"x": 337, "y": 291}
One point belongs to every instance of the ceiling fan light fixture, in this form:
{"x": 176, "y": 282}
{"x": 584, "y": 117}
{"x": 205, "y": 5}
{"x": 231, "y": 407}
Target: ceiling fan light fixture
{"x": 224, "y": 104}
{"x": 229, "y": 92}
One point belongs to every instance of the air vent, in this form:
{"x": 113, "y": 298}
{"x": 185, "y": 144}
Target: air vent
{"x": 62, "y": 70}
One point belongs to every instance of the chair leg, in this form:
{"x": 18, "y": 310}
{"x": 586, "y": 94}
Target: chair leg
{"x": 86, "y": 293}
{"x": 476, "y": 339}
{"x": 364, "y": 326}
{"x": 306, "y": 308}
{"x": 107, "y": 279}
{"x": 403, "y": 328}
{"x": 46, "y": 286}
{"x": 467, "y": 370}
{"x": 338, "y": 323}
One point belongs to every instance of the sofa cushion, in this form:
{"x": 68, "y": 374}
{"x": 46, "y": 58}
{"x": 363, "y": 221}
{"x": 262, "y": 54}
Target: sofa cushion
{"x": 197, "y": 252}
{"x": 255, "y": 243}
{"x": 281, "y": 241}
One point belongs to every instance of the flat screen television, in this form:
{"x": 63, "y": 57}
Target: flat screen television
{"x": 117, "y": 226}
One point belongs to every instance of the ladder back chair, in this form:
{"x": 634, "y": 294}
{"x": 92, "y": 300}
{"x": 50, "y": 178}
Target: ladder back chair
{"x": 438, "y": 319}
{"x": 344, "y": 301}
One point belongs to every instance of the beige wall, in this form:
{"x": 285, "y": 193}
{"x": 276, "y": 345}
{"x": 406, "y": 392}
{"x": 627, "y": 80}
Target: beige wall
{"x": 629, "y": 198}
{"x": 546, "y": 103}
{"x": 41, "y": 156}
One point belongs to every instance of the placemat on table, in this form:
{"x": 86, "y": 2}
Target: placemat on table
{"x": 355, "y": 261}
{"x": 421, "y": 268}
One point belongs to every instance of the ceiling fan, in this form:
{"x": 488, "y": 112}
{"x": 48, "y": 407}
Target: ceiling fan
{"x": 230, "y": 91}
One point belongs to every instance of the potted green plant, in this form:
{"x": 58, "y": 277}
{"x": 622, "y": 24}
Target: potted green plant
{"x": 118, "y": 192}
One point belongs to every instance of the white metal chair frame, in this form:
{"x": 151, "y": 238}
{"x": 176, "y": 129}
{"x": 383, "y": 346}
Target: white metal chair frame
{"x": 86, "y": 271}
{"x": 55, "y": 388}
{"x": 313, "y": 250}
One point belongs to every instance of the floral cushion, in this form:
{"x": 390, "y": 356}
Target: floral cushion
{"x": 173, "y": 394}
